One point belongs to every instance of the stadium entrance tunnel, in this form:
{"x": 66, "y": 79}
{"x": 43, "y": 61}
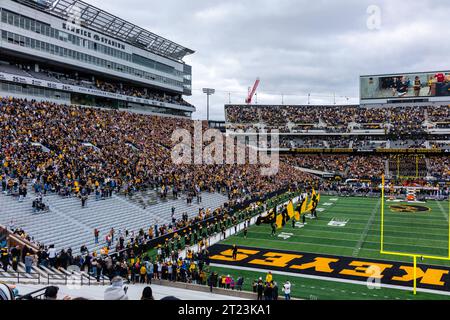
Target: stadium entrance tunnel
{"x": 333, "y": 267}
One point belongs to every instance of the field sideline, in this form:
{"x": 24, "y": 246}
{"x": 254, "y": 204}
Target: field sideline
{"x": 426, "y": 233}
{"x": 421, "y": 230}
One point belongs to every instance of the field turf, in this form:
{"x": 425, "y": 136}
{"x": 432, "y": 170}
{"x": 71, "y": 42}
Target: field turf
{"x": 414, "y": 231}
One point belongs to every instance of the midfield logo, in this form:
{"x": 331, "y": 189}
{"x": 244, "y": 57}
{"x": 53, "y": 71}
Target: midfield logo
{"x": 409, "y": 208}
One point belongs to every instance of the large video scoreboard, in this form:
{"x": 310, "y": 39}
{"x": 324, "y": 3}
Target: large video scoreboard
{"x": 406, "y": 87}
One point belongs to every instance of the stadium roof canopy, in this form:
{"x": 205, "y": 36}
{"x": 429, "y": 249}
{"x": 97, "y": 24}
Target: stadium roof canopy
{"x": 97, "y": 19}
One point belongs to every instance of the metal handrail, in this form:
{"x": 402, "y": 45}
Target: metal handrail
{"x": 48, "y": 278}
{"x": 17, "y": 275}
{"x": 29, "y": 296}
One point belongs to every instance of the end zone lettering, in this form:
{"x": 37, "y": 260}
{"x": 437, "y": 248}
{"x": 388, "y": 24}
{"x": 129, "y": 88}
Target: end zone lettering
{"x": 393, "y": 273}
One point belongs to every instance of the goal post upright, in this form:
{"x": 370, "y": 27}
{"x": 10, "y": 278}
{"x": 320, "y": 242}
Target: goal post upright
{"x": 415, "y": 276}
{"x": 414, "y": 256}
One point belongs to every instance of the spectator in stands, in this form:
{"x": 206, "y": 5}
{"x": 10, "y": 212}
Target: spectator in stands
{"x": 6, "y": 293}
{"x": 51, "y": 293}
{"x": 5, "y": 258}
{"x": 28, "y": 263}
{"x": 52, "y": 254}
{"x": 117, "y": 291}
{"x": 147, "y": 294}
{"x": 96, "y": 235}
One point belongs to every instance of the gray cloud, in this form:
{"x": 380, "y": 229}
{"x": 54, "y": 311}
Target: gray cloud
{"x": 296, "y": 47}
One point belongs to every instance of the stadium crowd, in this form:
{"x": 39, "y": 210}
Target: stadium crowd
{"x": 76, "y": 79}
{"x": 439, "y": 114}
{"x": 407, "y": 120}
{"x": 440, "y": 167}
{"x": 356, "y": 167}
{"x": 92, "y": 149}
{"x": 183, "y": 257}
{"x": 74, "y": 151}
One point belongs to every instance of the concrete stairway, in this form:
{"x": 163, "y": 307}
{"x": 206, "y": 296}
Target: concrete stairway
{"x": 49, "y": 276}
{"x": 67, "y": 225}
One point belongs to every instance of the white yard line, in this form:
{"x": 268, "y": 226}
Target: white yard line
{"x": 369, "y": 224}
{"x": 441, "y": 208}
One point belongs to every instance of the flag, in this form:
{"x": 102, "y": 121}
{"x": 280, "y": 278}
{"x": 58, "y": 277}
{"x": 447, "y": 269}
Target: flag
{"x": 285, "y": 213}
{"x": 290, "y": 209}
{"x": 313, "y": 194}
{"x": 282, "y": 218}
{"x": 301, "y": 208}
{"x": 312, "y": 204}
{"x": 267, "y": 219}
{"x": 315, "y": 200}
{"x": 280, "y": 221}
{"x": 298, "y": 210}
{"x": 304, "y": 205}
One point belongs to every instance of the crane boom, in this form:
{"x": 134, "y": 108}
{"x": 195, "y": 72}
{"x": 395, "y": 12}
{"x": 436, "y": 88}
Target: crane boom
{"x": 252, "y": 92}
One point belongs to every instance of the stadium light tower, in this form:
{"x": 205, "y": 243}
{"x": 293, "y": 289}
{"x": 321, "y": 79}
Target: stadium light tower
{"x": 208, "y": 92}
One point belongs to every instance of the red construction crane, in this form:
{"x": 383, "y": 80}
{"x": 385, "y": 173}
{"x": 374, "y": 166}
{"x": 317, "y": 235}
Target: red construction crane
{"x": 252, "y": 92}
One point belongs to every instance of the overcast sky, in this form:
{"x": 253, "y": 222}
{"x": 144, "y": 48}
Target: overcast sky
{"x": 296, "y": 47}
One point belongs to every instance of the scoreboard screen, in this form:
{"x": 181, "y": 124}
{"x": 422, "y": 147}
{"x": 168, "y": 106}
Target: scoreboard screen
{"x": 406, "y": 85}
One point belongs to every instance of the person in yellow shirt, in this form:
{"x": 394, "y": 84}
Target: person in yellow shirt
{"x": 192, "y": 267}
{"x": 189, "y": 255}
{"x": 143, "y": 272}
{"x": 269, "y": 277}
{"x": 223, "y": 282}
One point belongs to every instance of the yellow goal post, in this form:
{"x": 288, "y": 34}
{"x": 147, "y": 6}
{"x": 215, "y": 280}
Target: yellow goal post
{"x": 406, "y": 254}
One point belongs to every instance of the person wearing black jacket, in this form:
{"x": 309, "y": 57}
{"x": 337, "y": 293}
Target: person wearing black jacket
{"x": 210, "y": 282}
{"x": 274, "y": 229}
{"x": 268, "y": 292}
{"x": 275, "y": 291}
{"x": 235, "y": 252}
{"x": 260, "y": 290}
{"x": 22, "y": 192}
{"x": 4, "y": 258}
{"x": 15, "y": 257}
{"x": 100, "y": 267}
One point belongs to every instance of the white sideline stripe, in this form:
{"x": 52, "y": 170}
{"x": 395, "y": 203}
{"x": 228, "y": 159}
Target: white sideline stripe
{"x": 330, "y": 279}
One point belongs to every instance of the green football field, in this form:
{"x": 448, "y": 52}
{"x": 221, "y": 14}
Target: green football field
{"x": 421, "y": 229}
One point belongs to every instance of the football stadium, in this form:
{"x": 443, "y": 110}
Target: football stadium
{"x": 111, "y": 189}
